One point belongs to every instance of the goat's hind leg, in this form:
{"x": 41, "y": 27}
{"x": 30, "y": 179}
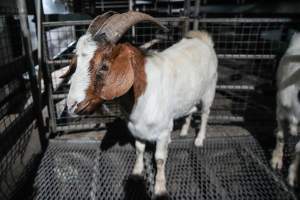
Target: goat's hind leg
{"x": 277, "y": 155}
{"x": 206, "y": 104}
{"x": 186, "y": 125}
{"x": 202, "y": 132}
{"x": 139, "y": 163}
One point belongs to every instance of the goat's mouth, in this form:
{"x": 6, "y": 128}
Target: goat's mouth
{"x": 87, "y": 107}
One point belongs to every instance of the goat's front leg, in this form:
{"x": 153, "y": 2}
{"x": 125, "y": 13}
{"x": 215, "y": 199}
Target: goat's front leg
{"x": 294, "y": 167}
{"x": 139, "y": 163}
{"x": 161, "y": 155}
{"x": 277, "y": 155}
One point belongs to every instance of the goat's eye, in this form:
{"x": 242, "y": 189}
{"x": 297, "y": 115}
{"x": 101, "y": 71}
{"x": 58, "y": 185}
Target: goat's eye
{"x": 104, "y": 67}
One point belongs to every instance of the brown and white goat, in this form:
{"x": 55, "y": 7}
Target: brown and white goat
{"x": 165, "y": 85}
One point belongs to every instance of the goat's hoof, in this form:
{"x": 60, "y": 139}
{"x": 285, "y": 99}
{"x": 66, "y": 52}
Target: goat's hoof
{"x": 276, "y": 162}
{"x": 199, "y": 142}
{"x": 162, "y": 196}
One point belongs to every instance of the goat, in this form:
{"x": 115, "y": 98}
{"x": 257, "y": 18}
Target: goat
{"x": 288, "y": 105}
{"x": 163, "y": 85}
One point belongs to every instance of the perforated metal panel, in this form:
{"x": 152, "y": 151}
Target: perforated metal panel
{"x": 225, "y": 168}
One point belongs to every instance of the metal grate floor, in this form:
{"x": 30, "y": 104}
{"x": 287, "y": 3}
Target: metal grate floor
{"x": 225, "y": 168}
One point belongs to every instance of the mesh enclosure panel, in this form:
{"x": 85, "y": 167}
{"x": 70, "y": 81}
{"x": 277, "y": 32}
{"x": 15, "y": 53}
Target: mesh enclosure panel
{"x": 17, "y": 116}
{"x": 225, "y": 168}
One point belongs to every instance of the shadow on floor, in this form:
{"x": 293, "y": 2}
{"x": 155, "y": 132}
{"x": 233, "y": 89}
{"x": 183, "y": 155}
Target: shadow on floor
{"x": 117, "y": 133}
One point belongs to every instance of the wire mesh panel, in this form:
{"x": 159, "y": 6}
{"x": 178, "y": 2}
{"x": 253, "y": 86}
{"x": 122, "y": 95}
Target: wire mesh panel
{"x": 248, "y": 50}
{"x": 224, "y": 168}
{"x": 60, "y": 41}
{"x": 100, "y": 6}
{"x": 17, "y": 115}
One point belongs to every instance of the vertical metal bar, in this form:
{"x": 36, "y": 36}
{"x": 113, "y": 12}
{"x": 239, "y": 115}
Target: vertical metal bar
{"x": 196, "y": 14}
{"x": 22, "y": 9}
{"x": 187, "y": 7}
{"x": 42, "y": 65}
{"x": 186, "y": 21}
{"x": 133, "y": 27}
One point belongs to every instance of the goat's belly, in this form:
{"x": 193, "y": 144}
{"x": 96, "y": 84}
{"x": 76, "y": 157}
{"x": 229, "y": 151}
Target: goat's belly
{"x": 144, "y": 132}
{"x": 185, "y": 106}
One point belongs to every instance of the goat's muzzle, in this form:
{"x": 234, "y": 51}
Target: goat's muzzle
{"x": 87, "y": 106}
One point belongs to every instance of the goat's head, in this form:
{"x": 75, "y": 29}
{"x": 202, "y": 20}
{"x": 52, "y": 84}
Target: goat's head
{"x": 101, "y": 68}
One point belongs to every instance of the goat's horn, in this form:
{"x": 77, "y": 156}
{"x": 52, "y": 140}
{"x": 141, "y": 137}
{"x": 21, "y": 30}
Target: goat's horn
{"x": 116, "y": 25}
{"x": 97, "y": 23}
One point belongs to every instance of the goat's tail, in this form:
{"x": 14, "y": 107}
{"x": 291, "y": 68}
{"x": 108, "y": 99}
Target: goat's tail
{"x": 202, "y": 35}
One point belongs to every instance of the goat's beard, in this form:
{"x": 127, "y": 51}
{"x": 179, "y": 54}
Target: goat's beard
{"x": 88, "y": 106}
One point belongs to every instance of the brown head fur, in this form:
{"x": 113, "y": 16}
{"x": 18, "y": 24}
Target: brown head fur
{"x": 114, "y": 70}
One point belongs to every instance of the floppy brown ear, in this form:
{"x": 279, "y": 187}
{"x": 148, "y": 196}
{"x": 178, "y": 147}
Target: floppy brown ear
{"x": 120, "y": 77}
{"x": 71, "y": 69}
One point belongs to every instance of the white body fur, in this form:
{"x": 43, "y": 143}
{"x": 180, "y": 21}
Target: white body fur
{"x": 177, "y": 80}
{"x": 288, "y": 105}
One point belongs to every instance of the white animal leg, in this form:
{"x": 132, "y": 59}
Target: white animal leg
{"x": 186, "y": 126}
{"x": 277, "y": 155}
{"x": 206, "y": 104}
{"x": 201, "y": 135}
{"x": 294, "y": 167}
{"x": 188, "y": 119}
{"x": 139, "y": 163}
{"x": 161, "y": 155}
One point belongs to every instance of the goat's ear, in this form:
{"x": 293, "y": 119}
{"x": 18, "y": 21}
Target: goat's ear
{"x": 71, "y": 69}
{"x": 121, "y": 73}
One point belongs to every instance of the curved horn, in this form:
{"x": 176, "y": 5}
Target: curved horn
{"x": 116, "y": 25}
{"x": 98, "y": 21}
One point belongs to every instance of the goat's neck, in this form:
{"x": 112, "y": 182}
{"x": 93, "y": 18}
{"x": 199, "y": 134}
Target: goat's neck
{"x": 140, "y": 81}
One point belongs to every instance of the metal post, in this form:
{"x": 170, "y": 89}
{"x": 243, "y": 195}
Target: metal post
{"x": 187, "y": 7}
{"x": 196, "y": 15}
{"x": 186, "y": 24}
{"x": 131, "y": 8}
{"x": 22, "y": 9}
{"x": 43, "y": 67}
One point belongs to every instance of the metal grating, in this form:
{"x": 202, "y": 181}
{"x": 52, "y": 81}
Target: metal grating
{"x": 225, "y": 168}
